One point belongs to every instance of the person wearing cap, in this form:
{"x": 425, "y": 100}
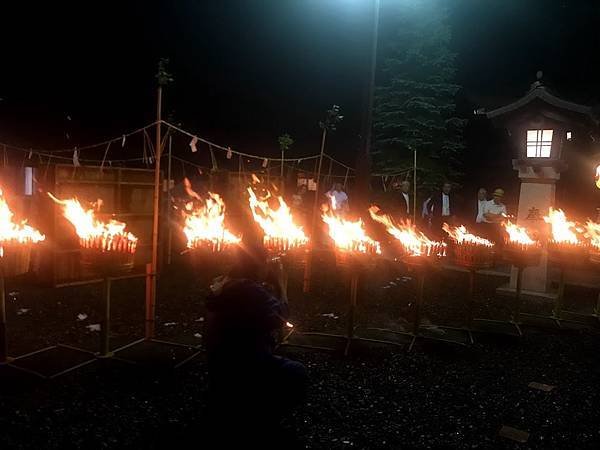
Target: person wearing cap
{"x": 494, "y": 212}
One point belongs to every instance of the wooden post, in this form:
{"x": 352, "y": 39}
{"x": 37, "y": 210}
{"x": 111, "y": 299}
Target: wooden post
{"x": 281, "y": 183}
{"x": 309, "y": 258}
{"x": 150, "y": 304}
{"x": 415, "y": 190}
{"x": 152, "y": 299}
{"x": 169, "y": 205}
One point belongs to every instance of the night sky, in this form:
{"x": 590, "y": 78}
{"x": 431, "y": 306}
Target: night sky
{"x": 248, "y": 70}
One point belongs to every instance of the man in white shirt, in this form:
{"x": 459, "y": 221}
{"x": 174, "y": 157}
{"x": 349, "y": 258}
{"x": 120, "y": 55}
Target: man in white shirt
{"x": 338, "y": 199}
{"x": 494, "y": 212}
{"x": 481, "y": 202}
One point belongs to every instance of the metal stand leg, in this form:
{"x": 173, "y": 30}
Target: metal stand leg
{"x": 560, "y": 297}
{"x": 418, "y": 306}
{"x": 517, "y": 317}
{"x": 351, "y": 311}
{"x": 3, "y": 340}
{"x": 470, "y": 296}
{"x": 105, "y": 326}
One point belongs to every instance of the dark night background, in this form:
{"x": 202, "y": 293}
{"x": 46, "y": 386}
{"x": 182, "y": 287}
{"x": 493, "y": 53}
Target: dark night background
{"x": 246, "y": 71}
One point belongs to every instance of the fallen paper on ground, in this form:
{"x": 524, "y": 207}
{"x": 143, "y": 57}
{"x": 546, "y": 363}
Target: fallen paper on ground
{"x": 541, "y": 386}
{"x": 513, "y": 434}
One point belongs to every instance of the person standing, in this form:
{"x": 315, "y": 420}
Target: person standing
{"x": 443, "y": 209}
{"x": 480, "y": 207}
{"x": 338, "y": 199}
{"x": 406, "y": 202}
{"x": 494, "y": 213}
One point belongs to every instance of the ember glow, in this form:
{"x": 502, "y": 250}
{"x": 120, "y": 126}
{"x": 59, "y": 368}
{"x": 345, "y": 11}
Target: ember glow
{"x": 598, "y": 176}
{"x": 205, "y": 224}
{"x": 275, "y": 218}
{"x": 517, "y": 234}
{"x": 12, "y": 232}
{"x": 462, "y": 236}
{"x": 412, "y": 240}
{"x": 350, "y": 235}
{"x": 93, "y": 233}
{"x": 563, "y": 231}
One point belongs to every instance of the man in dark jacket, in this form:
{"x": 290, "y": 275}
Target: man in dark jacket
{"x": 248, "y": 384}
{"x": 444, "y": 209}
{"x": 406, "y": 202}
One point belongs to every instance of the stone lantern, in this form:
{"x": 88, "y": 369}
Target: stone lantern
{"x": 539, "y": 124}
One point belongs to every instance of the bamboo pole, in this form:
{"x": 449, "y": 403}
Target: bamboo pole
{"x": 151, "y": 304}
{"x": 415, "y": 189}
{"x": 169, "y": 205}
{"x": 3, "y": 339}
{"x": 281, "y": 183}
{"x": 308, "y": 266}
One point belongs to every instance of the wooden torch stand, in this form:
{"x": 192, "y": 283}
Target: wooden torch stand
{"x": 511, "y": 327}
{"x": 558, "y": 317}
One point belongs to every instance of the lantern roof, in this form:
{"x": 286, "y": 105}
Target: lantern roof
{"x": 540, "y": 93}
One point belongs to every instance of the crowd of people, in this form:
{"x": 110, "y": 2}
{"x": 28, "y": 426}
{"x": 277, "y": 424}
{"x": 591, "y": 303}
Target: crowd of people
{"x": 482, "y": 216}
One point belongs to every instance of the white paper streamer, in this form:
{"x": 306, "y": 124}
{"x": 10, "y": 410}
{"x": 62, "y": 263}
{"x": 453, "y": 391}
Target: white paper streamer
{"x": 193, "y": 143}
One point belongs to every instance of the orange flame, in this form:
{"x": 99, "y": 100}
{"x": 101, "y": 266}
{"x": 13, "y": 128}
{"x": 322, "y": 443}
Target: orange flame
{"x": 517, "y": 234}
{"x": 461, "y": 235}
{"x": 348, "y": 235}
{"x": 277, "y": 223}
{"x": 12, "y": 232}
{"x": 593, "y": 233}
{"x": 562, "y": 230}
{"x": 93, "y": 233}
{"x": 412, "y": 240}
{"x": 598, "y": 176}
{"x": 206, "y": 223}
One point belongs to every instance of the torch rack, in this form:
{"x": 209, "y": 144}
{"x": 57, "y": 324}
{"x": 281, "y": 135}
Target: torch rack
{"x": 5, "y": 360}
{"x": 84, "y": 357}
{"x": 564, "y": 258}
{"x": 420, "y": 267}
{"x": 521, "y": 259}
{"x": 15, "y": 261}
{"x": 81, "y": 357}
{"x": 353, "y": 266}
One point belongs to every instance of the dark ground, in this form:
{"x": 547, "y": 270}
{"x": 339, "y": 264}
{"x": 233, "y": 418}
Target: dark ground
{"x": 380, "y": 397}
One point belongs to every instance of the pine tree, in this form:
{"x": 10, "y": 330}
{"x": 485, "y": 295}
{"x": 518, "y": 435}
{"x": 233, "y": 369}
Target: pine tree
{"x": 415, "y": 100}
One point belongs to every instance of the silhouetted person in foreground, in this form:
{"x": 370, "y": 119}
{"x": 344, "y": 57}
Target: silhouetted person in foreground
{"x": 250, "y": 387}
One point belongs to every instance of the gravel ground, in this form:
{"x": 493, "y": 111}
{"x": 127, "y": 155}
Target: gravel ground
{"x": 378, "y": 397}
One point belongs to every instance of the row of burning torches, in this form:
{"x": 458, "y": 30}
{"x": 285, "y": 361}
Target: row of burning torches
{"x": 204, "y": 227}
